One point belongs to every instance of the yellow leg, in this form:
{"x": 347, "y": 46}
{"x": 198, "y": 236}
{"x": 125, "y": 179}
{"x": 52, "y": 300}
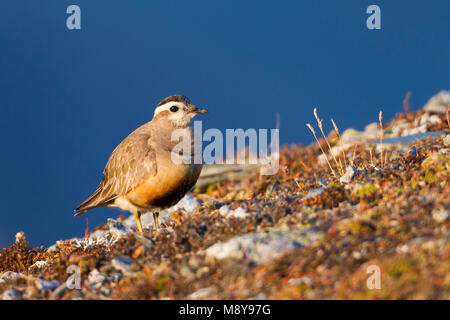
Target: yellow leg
{"x": 155, "y": 219}
{"x": 137, "y": 217}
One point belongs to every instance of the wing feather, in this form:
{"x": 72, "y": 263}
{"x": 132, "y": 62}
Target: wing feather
{"x": 130, "y": 164}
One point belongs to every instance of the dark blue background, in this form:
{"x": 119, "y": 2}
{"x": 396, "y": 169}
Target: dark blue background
{"x": 67, "y": 98}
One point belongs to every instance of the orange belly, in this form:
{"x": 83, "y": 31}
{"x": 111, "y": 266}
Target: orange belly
{"x": 164, "y": 190}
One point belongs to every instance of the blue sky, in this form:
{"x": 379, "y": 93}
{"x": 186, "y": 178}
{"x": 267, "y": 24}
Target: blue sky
{"x": 68, "y": 97}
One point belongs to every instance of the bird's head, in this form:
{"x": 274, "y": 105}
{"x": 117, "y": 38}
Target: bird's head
{"x": 178, "y": 110}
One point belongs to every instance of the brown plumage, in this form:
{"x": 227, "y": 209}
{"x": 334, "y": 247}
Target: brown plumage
{"x": 140, "y": 175}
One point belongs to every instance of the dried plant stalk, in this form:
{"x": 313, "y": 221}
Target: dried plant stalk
{"x": 448, "y": 118}
{"x": 371, "y": 157}
{"x": 380, "y": 118}
{"x": 406, "y": 105}
{"x": 320, "y": 145}
{"x": 319, "y": 123}
{"x": 353, "y": 156}
{"x": 340, "y": 139}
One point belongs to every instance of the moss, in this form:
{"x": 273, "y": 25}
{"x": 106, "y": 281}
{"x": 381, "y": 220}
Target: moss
{"x": 399, "y": 268}
{"x": 366, "y": 189}
{"x": 17, "y": 257}
{"x": 211, "y": 187}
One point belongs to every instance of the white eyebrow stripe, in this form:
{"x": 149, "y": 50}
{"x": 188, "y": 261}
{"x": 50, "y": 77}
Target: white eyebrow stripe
{"x": 167, "y": 106}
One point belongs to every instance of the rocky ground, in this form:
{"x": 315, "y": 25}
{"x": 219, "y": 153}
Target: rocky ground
{"x": 301, "y": 234}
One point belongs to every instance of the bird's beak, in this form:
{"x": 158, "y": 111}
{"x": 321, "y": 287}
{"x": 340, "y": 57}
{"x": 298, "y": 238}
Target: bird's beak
{"x": 198, "y": 110}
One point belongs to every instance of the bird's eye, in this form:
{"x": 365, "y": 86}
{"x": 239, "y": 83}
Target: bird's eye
{"x": 173, "y": 108}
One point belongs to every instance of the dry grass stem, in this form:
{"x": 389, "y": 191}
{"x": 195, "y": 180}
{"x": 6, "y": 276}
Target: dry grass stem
{"x": 448, "y": 117}
{"x": 320, "y": 145}
{"x": 353, "y": 156}
{"x": 406, "y": 105}
{"x": 319, "y": 123}
{"x": 380, "y": 118}
{"x": 371, "y": 157}
{"x": 340, "y": 139}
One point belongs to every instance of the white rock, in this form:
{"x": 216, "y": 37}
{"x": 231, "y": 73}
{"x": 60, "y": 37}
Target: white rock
{"x": 39, "y": 264}
{"x": 188, "y": 203}
{"x": 202, "y": 293}
{"x": 11, "y": 295}
{"x": 348, "y": 175}
{"x": 400, "y": 126}
{"x": 98, "y": 234}
{"x": 262, "y": 247}
{"x": 426, "y": 119}
{"x": 96, "y": 279}
{"x": 315, "y": 192}
{"x": 402, "y": 248}
{"x": 447, "y": 140}
{"x": 352, "y": 136}
{"x": 10, "y": 276}
{"x": 123, "y": 264}
{"x": 239, "y": 213}
{"x": 117, "y": 229}
{"x": 58, "y": 293}
{"x": 440, "y": 214}
{"x": 46, "y": 285}
{"x": 404, "y": 140}
{"x": 438, "y": 103}
{"x": 260, "y": 296}
{"x": 356, "y": 255}
{"x": 299, "y": 281}
{"x": 415, "y": 130}
{"x": 372, "y": 131}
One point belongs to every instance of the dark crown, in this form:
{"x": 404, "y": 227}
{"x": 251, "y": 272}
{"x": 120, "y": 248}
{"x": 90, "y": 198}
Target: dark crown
{"x": 176, "y": 98}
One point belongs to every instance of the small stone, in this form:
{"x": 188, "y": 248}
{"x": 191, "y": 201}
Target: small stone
{"x": 402, "y": 249}
{"x": 356, "y": 255}
{"x": 314, "y": 193}
{"x": 412, "y": 153}
{"x": 98, "y": 234}
{"x": 352, "y": 136}
{"x": 447, "y": 140}
{"x": 46, "y": 285}
{"x": 265, "y": 246}
{"x": 58, "y": 293}
{"x": 116, "y": 276}
{"x": 348, "y": 175}
{"x": 202, "y": 293}
{"x": 239, "y": 213}
{"x": 118, "y": 229}
{"x": 146, "y": 242}
{"x": 188, "y": 204}
{"x": 39, "y": 264}
{"x": 440, "y": 214}
{"x": 96, "y": 279}
{"x": 11, "y": 295}
{"x": 20, "y": 236}
{"x": 123, "y": 264}
{"x": 438, "y": 103}
{"x": 372, "y": 131}
{"x": 299, "y": 281}
{"x": 10, "y": 276}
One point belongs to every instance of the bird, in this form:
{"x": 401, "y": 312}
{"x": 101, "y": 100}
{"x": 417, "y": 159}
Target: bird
{"x": 146, "y": 172}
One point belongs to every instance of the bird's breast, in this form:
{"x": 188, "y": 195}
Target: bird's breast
{"x": 168, "y": 186}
